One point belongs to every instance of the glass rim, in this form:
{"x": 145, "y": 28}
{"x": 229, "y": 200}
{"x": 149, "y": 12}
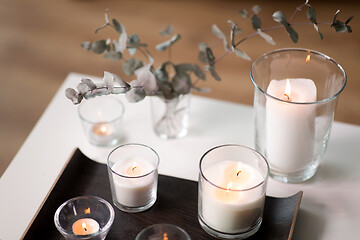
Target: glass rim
{"x": 133, "y": 144}
{"x": 299, "y": 50}
{"x": 121, "y": 113}
{"x": 101, "y": 230}
{"x": 173, "y": 226}
{"x": 235, "y": 145}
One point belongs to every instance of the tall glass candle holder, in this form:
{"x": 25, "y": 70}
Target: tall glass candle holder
{"x": 296, "y": 91}
{"x": 232, "y": 186}
{"x": 133, "y": 175}
{"x": 101, "y": 118}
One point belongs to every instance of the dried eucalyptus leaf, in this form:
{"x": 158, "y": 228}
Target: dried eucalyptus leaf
{"x": 70, "y": 93}
{"x": 349, "y": 19}
{"x": 293, "y": 34}
{"x": 120, "y": 81}
{"x": 147, "y": 80}
{"x": 161, "y": 75}
{"x": 217, "y": 32}
{"x": 165, "y": 45}
{"x": 317, "y": 29}
{"x": 202, "y": 57}
{"x": 256, "y": 22}
{"x": 86, "y": 45}
{"x": 243, "y": 13}
{"x": 279, "y": 17}
{"x": 256, "y": 9}
{"x": 181, "y": 83}
{"x": 99, "y": 46}
{"x": 89, "y": 82}
{"x": 118, "y": 27}
{"x": 311, "y": 14}
{"x": 214, "y": 73}
{"x": 203, "y": 46}
{"x": 82, "y": 88}
{"x": 339, "y": 26}
{"x": 108, "y": 79}
{"x": 114, "y": 56}
{"x": 167, "y": 31}
{"x": 210, "y": 56}
{"x": 135, "y": 95}
{"x": 122, "y": 41}
{"x": 131, "y": 65}
{"x": 166, "y": 90}
{"x": 267, "y": 37}
{"x": 241, "y": 54}
{"x": 198, "y": 72}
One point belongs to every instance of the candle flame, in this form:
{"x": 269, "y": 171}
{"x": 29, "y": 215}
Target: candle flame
{"x": 87, "y": 211}
{"x": 103, "y": 129}
{"x": 84, "y": 226}
{"x": 307, "y": 58}
{"x": 134, "y": 166}
{"x": 229, "y": 186}
{"x": 165, "y": 237}
{"x": 238, "y": 169}
{"x": 288, "y": 90}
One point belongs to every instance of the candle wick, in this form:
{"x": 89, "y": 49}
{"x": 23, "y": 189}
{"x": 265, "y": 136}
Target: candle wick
{"x": 133, "y": 168}
{"x": 237, "y": 174}
{"x": 85, "y": 229}
{"x": 288, "y": 98}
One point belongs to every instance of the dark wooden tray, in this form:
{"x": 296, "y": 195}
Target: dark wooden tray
{"x": 176, "y": 204}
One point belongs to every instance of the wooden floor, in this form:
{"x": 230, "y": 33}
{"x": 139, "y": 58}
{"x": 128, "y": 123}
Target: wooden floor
{"x": 40, "y": 45}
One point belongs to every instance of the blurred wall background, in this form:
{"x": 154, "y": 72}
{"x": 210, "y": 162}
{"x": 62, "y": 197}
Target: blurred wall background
{"x": 40, "y": 45}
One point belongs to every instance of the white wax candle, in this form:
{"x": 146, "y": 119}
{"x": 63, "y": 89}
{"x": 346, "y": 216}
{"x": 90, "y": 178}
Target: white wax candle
{"x": 290, "y": 128}
{"x": 102, "y": 133}
{"x": 226, "y": 209}
{"x": 132, "y": 188}
{"x": 85, "y": 226}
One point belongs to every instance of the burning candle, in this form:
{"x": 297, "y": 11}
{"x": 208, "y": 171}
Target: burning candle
{"x": 85, "y": 226}
{"x": 133, "y": 185}
{"x": 290, "y": 127}
{"x": 227, "y": 204}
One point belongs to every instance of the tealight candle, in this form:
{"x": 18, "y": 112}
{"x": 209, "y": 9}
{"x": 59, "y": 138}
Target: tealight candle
{"x": 290, "y": 127}
{"x": 85, "y": 226}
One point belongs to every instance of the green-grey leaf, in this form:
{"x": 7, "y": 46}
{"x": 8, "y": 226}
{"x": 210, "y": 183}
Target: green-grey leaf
{"x": 82, "y": 88}
{"x": 167, "y": 31}
{"x": 210, "y": 56}
{"x": 135, "y": 95}
{"x": 217, "y": 32}
{"x": 86, "y": 45}
{"x": 118, "y": 27}
{"x": 267, "y": 37}
{"x": 293, "y": 34}
{"x": 311, "y": 14}
{"x": 131, "y": 65}
{"x": 161, "y": 75}
{"x": 198, "y": 72}
{"x": 165, "y": 45}
{"x": 181, "y": 83}
{"x": 70, "y": 93}
{"x": 256, "y": 22}
{"x": 256, "y": 9}
{"x": 167, "y": 91}
{"x": 317, "y": 29}
{"x": 120, "y": 81}
{"x": 114, "y": 56}
{"x": 99, "y": 46}
{"x": 89, "y": 82}
{"x": 203, "y": 46}
{"x": 279, "y": 17}
{"x": 202, "y": 57}
{"x": 241, "y": 54}
{"x": 339, "y": 26}
{"x": 109, "y": 81}
{"x": 186, "y": 67}
{"x": 243, "y": 13}
{"x": 214, "y": 73}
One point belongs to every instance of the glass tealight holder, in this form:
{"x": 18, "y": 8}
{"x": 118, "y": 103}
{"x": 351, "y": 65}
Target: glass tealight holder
{"x": 85, "y": 217}
{"x": 133, "y": 175}
{"x": 232, "y": 188}
{"x": 101, "y": 118}
{"x": 163, "y": 231}
{"x": 296, "y": 93}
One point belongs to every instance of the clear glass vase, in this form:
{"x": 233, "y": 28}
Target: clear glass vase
{"x": 170, "y": 117}
{"x": 296, "y": 92}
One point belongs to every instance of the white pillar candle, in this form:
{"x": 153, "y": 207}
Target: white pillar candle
{"x": 290, "y": 127}
{"x": 85, "y": 226}
{"x": 229, "y": 207}
{"x": 134, "y": 187}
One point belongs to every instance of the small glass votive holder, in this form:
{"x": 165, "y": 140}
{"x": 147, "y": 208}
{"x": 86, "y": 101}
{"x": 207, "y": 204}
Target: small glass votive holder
{"x": 85, "y": 217}
{"x": 163, "y": 231}
{"x": 296, "y": 93}
{"x": 133, "y": 175}
{"x": 232, "y": 188}
{"x": 101, "y": 118}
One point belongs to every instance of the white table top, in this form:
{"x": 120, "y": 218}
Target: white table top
{"x": 330, "y": 208}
